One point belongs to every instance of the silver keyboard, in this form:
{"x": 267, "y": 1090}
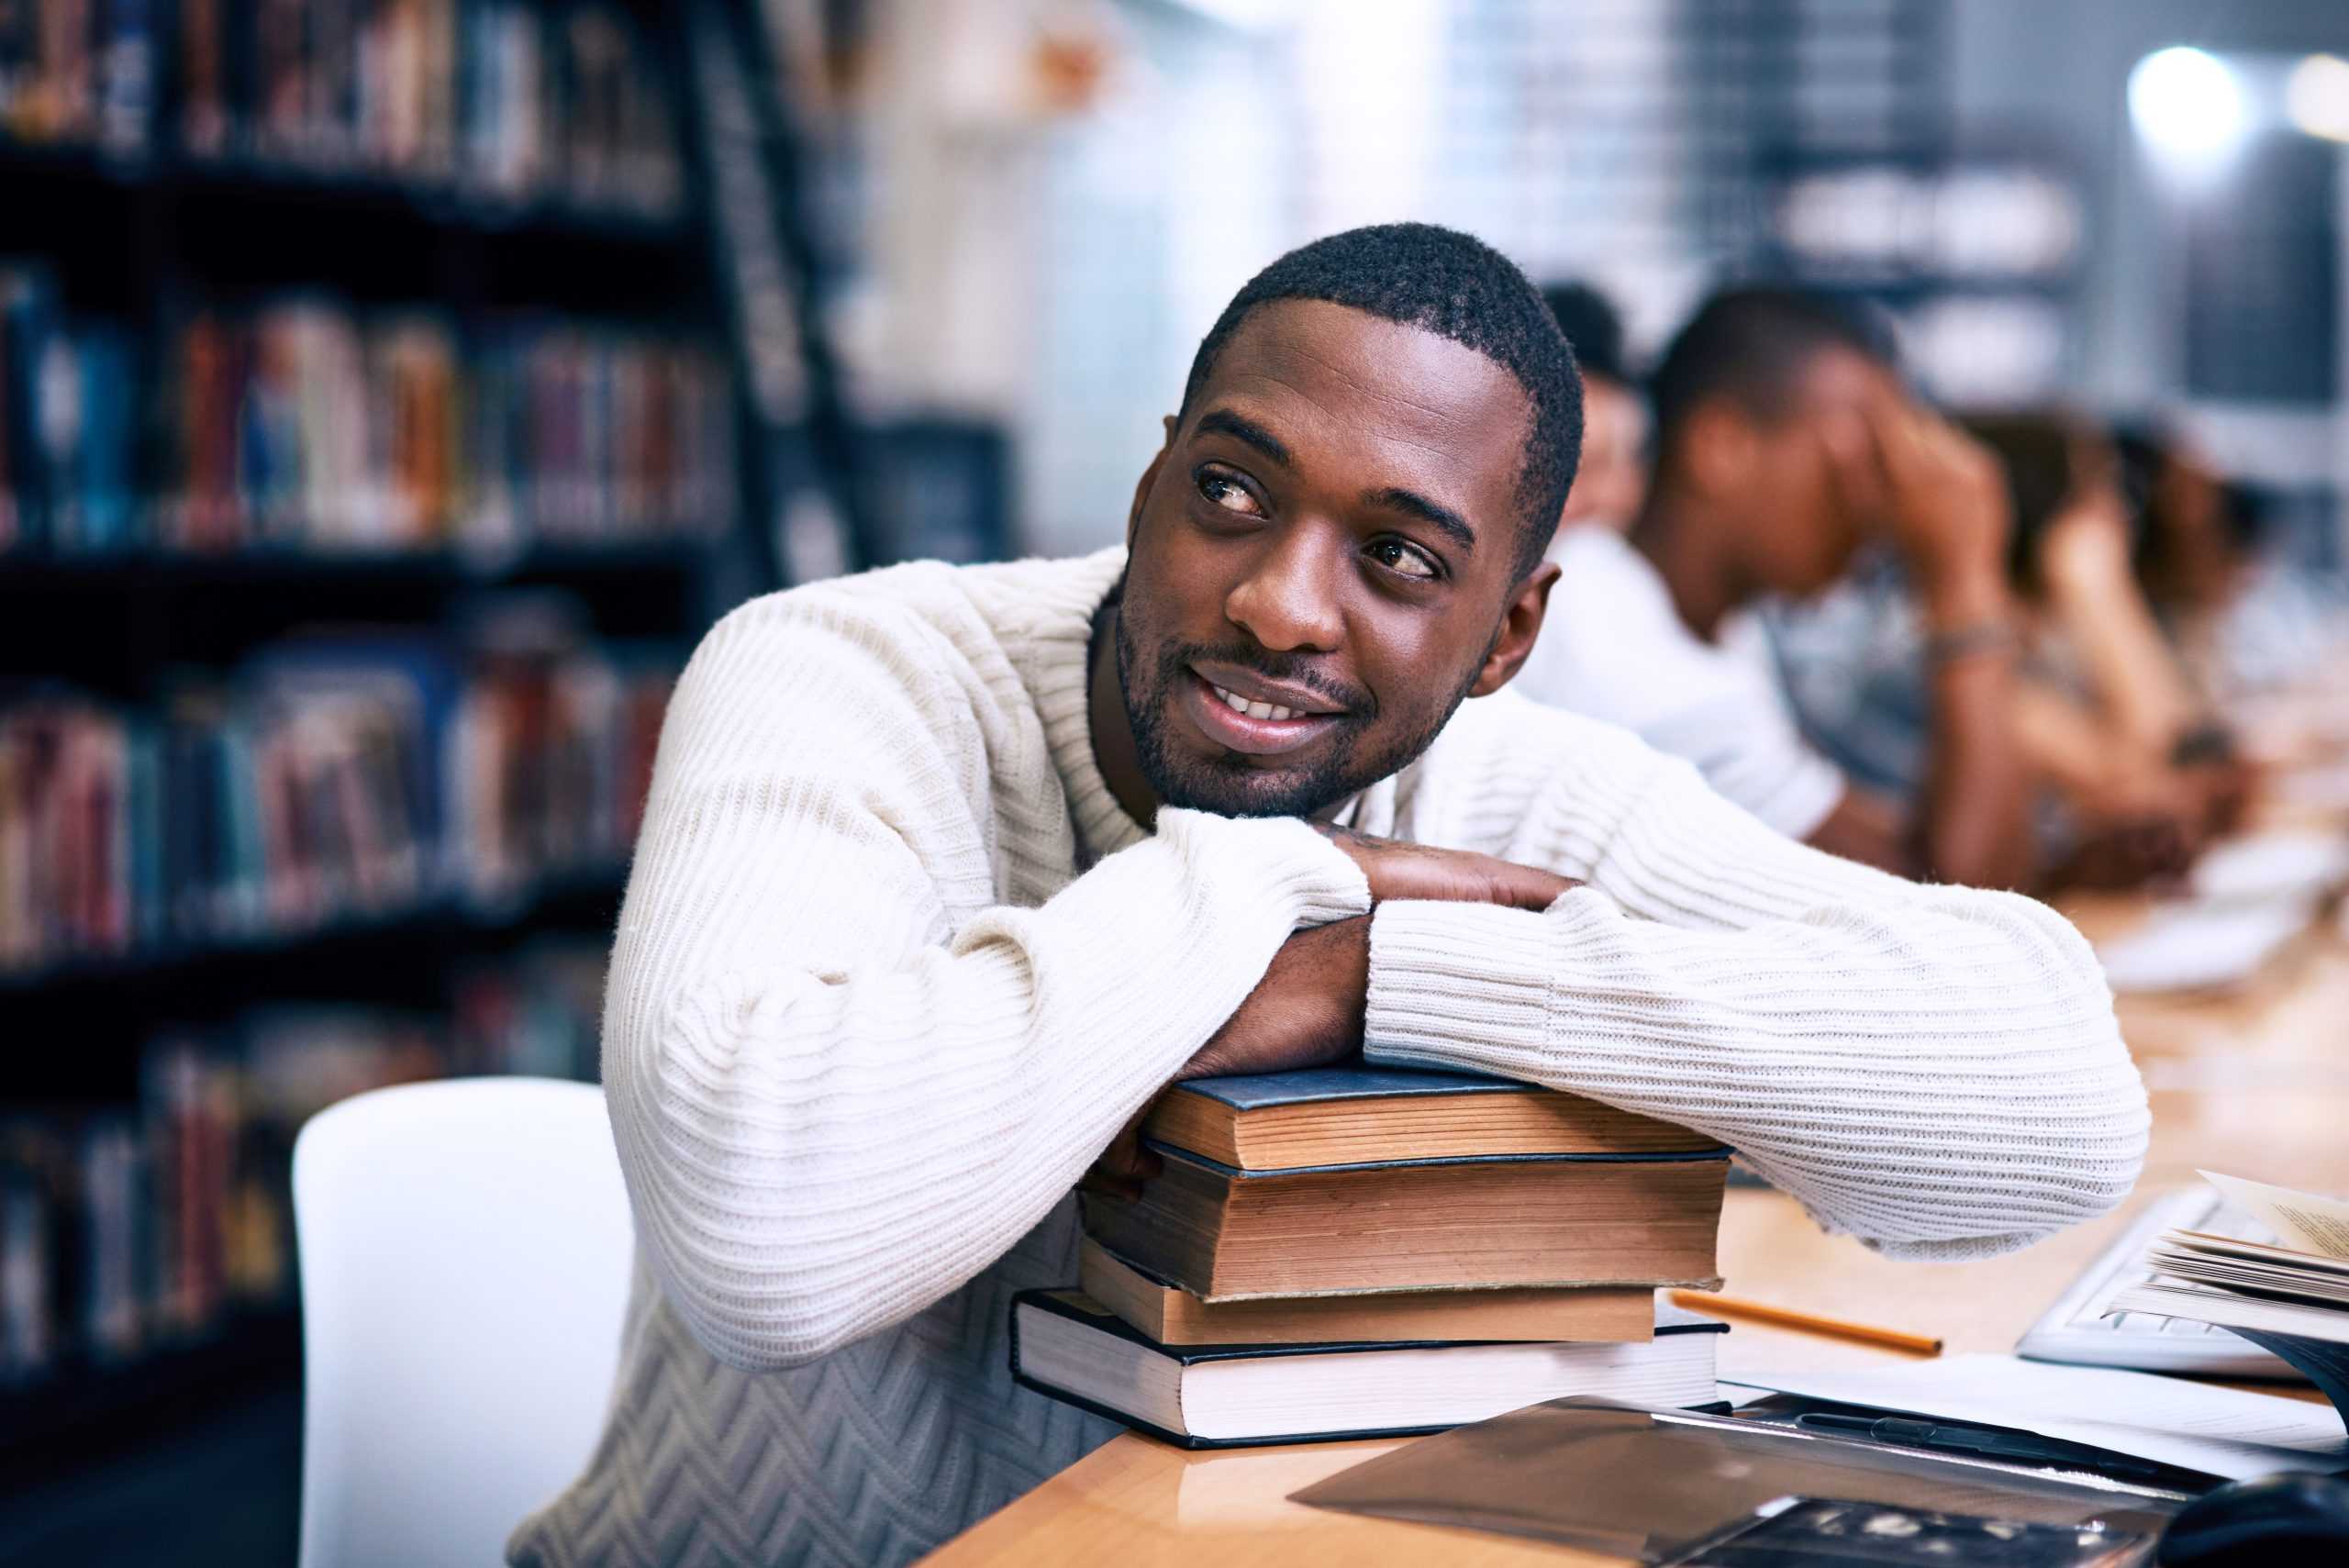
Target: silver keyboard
{"x": 2082, "y": 1329}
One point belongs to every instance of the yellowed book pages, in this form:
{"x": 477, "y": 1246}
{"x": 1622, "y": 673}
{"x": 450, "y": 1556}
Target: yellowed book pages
{"x": 1173, "y": 1315}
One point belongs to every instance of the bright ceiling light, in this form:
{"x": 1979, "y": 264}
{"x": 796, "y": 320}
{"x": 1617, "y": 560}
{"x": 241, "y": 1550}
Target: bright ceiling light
{"x": 2185, "y": 104}
{"x": 2316, "y": 96}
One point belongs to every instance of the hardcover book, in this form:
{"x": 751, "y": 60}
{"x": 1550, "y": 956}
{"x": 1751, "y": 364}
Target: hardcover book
{"x": 1173, "y": 1315}
{"x": 1067, "y": 1345}
{"x": 1517, "y": 1220}
{"x": 1336, "y": 1116}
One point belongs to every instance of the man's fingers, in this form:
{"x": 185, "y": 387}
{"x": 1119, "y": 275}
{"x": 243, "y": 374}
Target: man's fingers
{"x": 1527, "y": 887}
{"x": 1126, "y": 1163}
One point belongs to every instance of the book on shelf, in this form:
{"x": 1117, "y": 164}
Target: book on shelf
{"x": 304, "y": 425}
{"x": 1166, "y": 1313}
{"x": 1389, "y": 1180}
{"x": 1067, "y": 1345}
{"x": 68, "y": 422}
{"x": 79, "y": 75}
{"x": 131, "y": 1229}
{"x": 331, "y": 778}
{"x": 503, "y": 100}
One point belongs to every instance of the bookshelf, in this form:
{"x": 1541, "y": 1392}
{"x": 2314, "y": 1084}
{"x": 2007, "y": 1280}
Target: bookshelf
{"x": 373, "y": 450}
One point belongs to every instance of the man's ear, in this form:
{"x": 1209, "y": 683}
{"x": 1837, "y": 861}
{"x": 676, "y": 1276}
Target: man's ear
{"x": 1520, "y": 624}
{"x": 1141, "y": 487}
{"x": 1717, "y": 449}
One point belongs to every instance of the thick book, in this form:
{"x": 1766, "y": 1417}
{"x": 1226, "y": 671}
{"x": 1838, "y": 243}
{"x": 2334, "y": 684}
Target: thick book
{"x": 1170, "y": 1314}
{"x": 1067, "y": 1345}
{"x": 1337, "y": 1116}
{"x": 1505, "y": 1221}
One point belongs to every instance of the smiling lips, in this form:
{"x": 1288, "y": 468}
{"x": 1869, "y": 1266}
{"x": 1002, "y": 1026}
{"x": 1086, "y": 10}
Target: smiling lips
{"x": 1241, "y": 723}
{"x": 1239, "y": 703}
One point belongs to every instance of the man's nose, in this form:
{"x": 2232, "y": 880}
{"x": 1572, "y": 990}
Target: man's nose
{"x": 1288, "y": 600}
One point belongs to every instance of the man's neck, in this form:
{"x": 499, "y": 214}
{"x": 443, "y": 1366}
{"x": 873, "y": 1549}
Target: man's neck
{"x": 1694, "y": 552}
{"x": 1114, "y": 751}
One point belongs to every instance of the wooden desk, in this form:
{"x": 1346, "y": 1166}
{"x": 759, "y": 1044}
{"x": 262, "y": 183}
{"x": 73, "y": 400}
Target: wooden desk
{"x": 2256, "y": 1083}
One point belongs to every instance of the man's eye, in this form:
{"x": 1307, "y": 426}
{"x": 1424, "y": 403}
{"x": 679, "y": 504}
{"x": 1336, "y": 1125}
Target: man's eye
{"x": 1229, "y": 493}
{"x": 1407, "y": 559}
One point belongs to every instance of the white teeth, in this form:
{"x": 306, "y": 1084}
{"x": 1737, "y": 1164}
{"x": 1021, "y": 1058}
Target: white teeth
{"x": 1239, "y": 703}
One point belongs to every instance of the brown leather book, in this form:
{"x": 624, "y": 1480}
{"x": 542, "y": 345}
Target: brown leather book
{"x": 1173, "y": 1315}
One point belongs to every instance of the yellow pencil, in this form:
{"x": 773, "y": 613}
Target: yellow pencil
{"x": 1762, "y": 1312}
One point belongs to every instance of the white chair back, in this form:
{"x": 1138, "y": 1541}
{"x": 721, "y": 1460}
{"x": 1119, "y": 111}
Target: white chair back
{"x": 464, "y": 1254}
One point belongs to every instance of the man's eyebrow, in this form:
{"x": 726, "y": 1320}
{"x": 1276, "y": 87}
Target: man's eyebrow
{"x": 1223, "y": 421}
{"x": 1411, "y": 501}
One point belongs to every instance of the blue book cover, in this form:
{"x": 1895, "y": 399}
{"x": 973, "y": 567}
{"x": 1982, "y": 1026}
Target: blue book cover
{"x": 1259, "y": 1091}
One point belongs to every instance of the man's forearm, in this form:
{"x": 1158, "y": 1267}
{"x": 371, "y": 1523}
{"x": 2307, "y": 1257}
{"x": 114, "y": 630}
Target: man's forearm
{"x": 1973, "y": 823}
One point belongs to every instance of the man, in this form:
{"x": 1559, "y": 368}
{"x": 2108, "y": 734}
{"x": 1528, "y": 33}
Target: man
{"x": 1785, "y": 443}
{"x": 1613, "y": 476}
{"x": 946, "y": 872}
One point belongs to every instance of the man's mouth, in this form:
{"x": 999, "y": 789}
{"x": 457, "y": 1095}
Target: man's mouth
{"x": 1250, "y": 722}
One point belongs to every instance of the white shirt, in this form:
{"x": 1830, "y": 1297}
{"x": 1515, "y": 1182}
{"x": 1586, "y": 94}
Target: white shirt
{"x": 1614, "y": 647}
{"x": 894, "y": 967}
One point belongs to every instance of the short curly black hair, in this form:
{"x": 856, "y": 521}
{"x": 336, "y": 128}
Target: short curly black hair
{"x": 1594, "y": 326}
{"x": 1752, "y": 344}
{"x": 1458, "y": 287}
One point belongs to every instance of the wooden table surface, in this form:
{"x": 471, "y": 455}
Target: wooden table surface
{"x": 2254, "y": 1082}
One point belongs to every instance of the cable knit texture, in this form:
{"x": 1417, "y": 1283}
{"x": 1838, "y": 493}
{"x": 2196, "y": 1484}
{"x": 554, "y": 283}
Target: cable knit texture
{"x": 894, "y": 967}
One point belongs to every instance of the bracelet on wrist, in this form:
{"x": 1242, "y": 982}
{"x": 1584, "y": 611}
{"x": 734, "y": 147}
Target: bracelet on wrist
{"x": 1970, "y": 639}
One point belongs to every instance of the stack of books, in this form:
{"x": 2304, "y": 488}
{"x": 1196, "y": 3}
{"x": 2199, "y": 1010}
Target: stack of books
{"x": 1354, "y": 1251}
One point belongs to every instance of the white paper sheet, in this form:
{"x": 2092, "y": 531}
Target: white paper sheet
{"x": 2169, "y": 1420}
{"x": 2284, "y": 863}
{"x": 2304, "y": 1220}
{"x": 2185, "y": 947}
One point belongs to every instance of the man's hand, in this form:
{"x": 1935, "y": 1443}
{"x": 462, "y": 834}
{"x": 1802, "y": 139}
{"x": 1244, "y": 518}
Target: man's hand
{"x": 1305, "y": 1012}
{"x": 1943, "y": 498}
{"x": 1308, "y": 1010}
{"x": 1397, "y": 870}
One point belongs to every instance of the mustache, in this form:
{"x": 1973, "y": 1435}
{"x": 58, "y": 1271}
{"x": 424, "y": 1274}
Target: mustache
{"x": 1295, "y": 668}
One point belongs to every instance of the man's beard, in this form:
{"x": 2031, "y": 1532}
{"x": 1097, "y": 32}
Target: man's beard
{"x": 1234, "y": 784}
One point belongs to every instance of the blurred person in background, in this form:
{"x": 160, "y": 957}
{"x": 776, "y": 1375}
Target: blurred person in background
{"x": 2139, "y": 774}
{"x": 1613, "y": 479}
{"x": 2130, "y": 778}
{"x": 2241, "y": 615}
{"x": 1786, "y": 444}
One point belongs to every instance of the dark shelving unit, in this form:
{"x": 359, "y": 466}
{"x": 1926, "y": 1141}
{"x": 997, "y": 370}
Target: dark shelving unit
{"x": 147, "y": 239}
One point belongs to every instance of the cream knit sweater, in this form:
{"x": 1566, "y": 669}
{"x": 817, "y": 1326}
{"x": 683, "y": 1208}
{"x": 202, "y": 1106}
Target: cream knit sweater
{"x": 894, "y": 967}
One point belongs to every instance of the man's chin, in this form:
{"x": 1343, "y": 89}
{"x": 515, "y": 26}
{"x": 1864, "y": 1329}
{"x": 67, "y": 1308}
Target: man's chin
{"x": 1237, "y": 791}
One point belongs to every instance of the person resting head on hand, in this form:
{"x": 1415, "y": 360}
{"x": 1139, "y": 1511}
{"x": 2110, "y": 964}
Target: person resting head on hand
{"x": 2113, "y": 728}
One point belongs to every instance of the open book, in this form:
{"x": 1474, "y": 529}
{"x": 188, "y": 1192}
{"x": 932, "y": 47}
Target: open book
{"x": 2291, "y": 1297}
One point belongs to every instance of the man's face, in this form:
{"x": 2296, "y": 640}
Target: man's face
{"x": 1322, "y": 561}
{"x": 1811, "y": 488}
{"x": 1613, "y": 478}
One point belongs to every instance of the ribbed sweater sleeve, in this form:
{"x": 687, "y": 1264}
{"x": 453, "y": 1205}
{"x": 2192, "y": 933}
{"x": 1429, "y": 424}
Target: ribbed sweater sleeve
{"x": 843, "y": 1081}
{"x": 1934, "y": 1070}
